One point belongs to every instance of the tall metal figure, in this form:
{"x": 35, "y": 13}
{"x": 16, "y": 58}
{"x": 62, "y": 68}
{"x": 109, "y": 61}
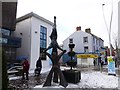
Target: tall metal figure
{"x": 55, "y": 70}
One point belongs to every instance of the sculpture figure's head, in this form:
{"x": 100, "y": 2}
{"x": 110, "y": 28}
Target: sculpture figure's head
{"x": 54, "y": 31}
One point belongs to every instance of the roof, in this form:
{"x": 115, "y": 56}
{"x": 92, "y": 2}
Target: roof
{"x": 33, "y": 15}
{"x": 87, "y": 33}
{"x": 97, "y": 37}
{"x": 76, "y": 32}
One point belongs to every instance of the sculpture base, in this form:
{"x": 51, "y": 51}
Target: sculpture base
{"x": 72, "y": 76}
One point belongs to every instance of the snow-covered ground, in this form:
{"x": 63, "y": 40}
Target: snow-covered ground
{"x": 98, "y": 80}
{"x": 30, "y": 74}
{"x": 90, "y": 79}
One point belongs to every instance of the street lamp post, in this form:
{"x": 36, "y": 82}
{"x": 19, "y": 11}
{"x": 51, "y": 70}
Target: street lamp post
{"x": 108, "y": 29}
{"x": 111, "y": 67}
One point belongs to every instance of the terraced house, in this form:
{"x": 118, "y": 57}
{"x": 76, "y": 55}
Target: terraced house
{"x": 87, "y": 45}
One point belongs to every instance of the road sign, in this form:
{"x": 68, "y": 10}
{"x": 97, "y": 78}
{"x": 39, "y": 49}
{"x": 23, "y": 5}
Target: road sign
{"x": 111, "y": 65}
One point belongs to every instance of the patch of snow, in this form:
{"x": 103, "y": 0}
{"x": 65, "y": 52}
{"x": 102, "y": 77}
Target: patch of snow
{"x": 53, "y": 85}
{"x": 31, "y": 72}
{"x": 98, "y": 80}
{"x": 91, "y": 79}
{"x": 15, "y": 77}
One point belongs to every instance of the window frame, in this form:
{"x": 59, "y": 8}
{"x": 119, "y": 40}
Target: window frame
{"x": 71, "y": 40}
{"x": 86, "y": 50}
{"x": 43, "y": 41}
{"x": 85, "y": 39}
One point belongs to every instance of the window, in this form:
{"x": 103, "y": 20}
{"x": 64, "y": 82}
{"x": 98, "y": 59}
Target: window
{"x": 5, "y": 32}
{"x": 93, "y": 40}
{"x": 85, "y": 39}
{"x": 84, "y": 60}
{"x": 96, "y": 41}
{"x": 43, "y": 41}
{"x": 0, "y": 40}
{"x": 93, "y": 48}
{"x": 3, "y": 40}
{"x": 71, "y": 40}
{"x": 10, "y": 54}
{"x": 86, "y": 49}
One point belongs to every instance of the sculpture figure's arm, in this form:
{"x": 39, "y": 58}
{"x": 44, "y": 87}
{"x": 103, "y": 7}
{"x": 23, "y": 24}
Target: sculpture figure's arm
{"x": 49, "y": 55}
{"x": 59, "y": 56}
{"x": 59, "y": 48}
{"x": 49, "y": 47}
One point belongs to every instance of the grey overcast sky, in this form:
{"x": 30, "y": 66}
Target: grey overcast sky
{"x": 73, "y": 13}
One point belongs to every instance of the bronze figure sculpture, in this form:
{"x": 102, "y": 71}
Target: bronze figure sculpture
{"x": 55, "y": 60}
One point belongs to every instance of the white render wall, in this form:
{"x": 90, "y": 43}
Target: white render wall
{"x": 24, "y": 28}
{"x": 35, "y": 41}
{"x": 31, "y": 40}
{"x": 85, "y": 62}
{"x": 78, "y": 41}
{"x": 79, "y": 45}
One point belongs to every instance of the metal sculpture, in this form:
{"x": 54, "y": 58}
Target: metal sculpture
{"x": 55, "y": 60}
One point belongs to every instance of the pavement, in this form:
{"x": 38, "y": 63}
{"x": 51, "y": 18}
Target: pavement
{"x": 97, "y": 68}
{"x": 19, "y": 84}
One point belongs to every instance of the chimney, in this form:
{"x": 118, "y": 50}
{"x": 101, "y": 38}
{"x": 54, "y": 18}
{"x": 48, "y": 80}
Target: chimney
{"x": 88, "y": 30}
{"x": 78, "y": 28}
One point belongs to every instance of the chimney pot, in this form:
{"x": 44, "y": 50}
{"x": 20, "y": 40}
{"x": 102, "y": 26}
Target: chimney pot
{"x": 88, "y": 30}
{"x": 78, "y": 28}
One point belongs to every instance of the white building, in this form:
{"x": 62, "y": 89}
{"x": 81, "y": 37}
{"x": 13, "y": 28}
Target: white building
{"x": 85, "y": 43}
{"x": 34, "y": 31}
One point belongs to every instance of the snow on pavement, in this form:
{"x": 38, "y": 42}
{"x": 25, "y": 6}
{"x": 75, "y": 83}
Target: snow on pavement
{"x": 90, "y": 79}
{"x": 31, "y": 73}
{"x": 98, "y": 80}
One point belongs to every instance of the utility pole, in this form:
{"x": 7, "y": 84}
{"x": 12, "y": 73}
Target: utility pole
{"x": 108, "y": 29}
{"x": 110, "y": 59}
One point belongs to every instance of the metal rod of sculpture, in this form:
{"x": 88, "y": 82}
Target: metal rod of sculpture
{"x": 55, "y": 70}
